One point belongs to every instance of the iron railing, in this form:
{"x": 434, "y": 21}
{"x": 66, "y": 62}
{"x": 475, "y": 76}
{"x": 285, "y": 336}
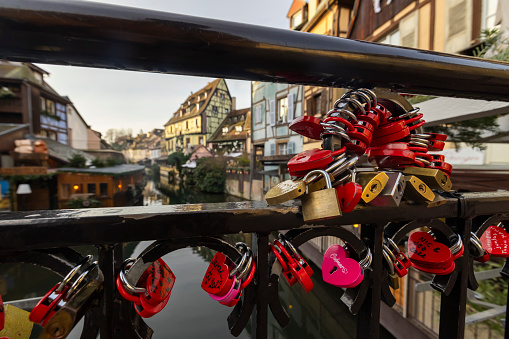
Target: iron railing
{"x": 96, "y": 35}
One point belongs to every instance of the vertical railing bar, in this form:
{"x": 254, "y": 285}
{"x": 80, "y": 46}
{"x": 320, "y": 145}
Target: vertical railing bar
{"x": 506, "y": 325}
{"x": 453, "y": 307}
{"x": 260, "y": 315}
{"x": 106, "y": 263}
{"x": 368, "y": 319}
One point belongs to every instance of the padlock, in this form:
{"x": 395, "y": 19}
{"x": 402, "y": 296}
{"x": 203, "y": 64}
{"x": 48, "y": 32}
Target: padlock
{"x": 308, "y": 126}
{"x": 349, "y": 126}
{"x": 477, "y": 250}
{"x": 128, "y": 292}
{"x": 495, "y": 241}
{"x": 457, "y": 248}
{"x": 158, "y": 284}
{"x": 399, "y": 268}
{"x": 69, "y": 311}
{"x": 349, "y": 194}
{"x": 443, "y": 166}
{"x": 428, "y": 255}
{"x": 295, "y": 254}
{"x": 417, "y": 190}
{"x": 2, "y": 314}
{"x": 16, "y": 324}
{"x": 391, "y": 275}
{"x": 393, "y": 191}
{"x": 217, "y": 279}
{"x": 372, "y": 183}
{"x": 290, "y": 279}
{"x": 434, "y": 178}
{"x": 309, "y": 160}
{"x": 361, "y": 133}
{"x": 245, "y": 277}
{"x": 398, "y": 253}
{"x": 145, "y": 310}
{"x": 295, "y": 268}
{"x": 390, "y": 157}
{"x": 321, "y": 205}
{"x": 318, "y": 184}
{"x": 284, "y": 191}
{"x": 356, "y": 146}
{"x": 339, "y": 270}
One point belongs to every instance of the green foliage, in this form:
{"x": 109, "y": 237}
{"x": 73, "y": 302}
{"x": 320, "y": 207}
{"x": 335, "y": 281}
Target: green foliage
{"x": 177, "y": 159}
{"x": 468, "y": 131}
{"x": 98, "y": 163}
{"x": 77, "y": 161}
{"x": 51, "y": 115}
{"x": 111, "y": 161}
{"x": 492, "y": 39}
{"x": 82, "y": 203}
{"x": 415, "y": 99}
{"x": 5, "y": 92}
{"x": 210, "y": 175}
{"x": 244, "y": 161}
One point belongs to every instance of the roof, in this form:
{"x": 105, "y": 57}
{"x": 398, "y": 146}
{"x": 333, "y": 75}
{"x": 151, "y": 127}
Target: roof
{"x": 295, "y": 7}
{"x": 241, "y": 117}
{"x": 447, "y": 110}
{"x": 60, "y": 151}
{"x": 191, "y": 102}
{"x": 115, "y": 170}
{"x": 8, "y": 128}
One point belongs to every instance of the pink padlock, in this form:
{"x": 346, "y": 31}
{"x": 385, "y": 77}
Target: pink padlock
{"x": 234, "y": 291}
{"x": 340, "y": 270}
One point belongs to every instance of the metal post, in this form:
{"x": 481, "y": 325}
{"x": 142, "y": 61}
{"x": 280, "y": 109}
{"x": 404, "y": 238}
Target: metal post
{"x": 260, "y": 313}
{"x": 107, "y": 265}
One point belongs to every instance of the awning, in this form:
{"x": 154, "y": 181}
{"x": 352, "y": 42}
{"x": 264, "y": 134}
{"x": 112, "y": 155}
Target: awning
{"x": 270, "y": 172}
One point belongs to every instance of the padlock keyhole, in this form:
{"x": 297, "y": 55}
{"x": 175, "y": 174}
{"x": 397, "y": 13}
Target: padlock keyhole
{"x": 334, "y": 269}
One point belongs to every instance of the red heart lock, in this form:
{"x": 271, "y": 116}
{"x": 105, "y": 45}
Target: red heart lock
{"x": 495, "y": 241}
{"x": 424, "y": 251}
{"x": 145, "y": 310}
{"x": 391, "y": 158}
{"x": 435, "y": 270}
{"x": 307, "y": 126}
{"x": 159, "y": 283}
{"x": 361, "y": 133}
{"x": 483, "y": 258}
{"x": 290, "y": 279}
{"x": 345, "y": 122}
{"x": 441, "y": 165}
{"x": 217, "y": 279}
{"x": 44, "y": 310}
{"x": 296, "y": 268}
{"x": 309, "y": 160}
{"x": 349, "y": 196}
{"x": 2, "y": 314}
{"x": 358, "y": 147}
{"x": 371, "y": 117}
{"x": 250, "y": 276}
{"x": 436, "y": 145}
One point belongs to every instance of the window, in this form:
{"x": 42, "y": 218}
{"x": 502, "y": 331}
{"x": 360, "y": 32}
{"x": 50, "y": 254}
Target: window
{"x": 214, "y": 110}
{"x": 282, "y": 149}
{"x": 225, "y": 130}
{"x": 238, "y": 129}
{"x": 187, "y": 125}
{"x": 188, "y": 141}
{"x": 222, "y": 96}
{"x": 391, "y": 38}
{"x": 103, "y": 189}
{"x": 43, "y": 104}
{"x": 317, "y": 103}
{"x": 91, "y": 188}
{"x": 66, "y": 190}
{"x": 77, "y": 188}
{"x": 258, "y": 114}
{"x": 226, "y": 110}
{"x": 200, "y": 140}
{"x": 489, "y": 11}
{"x": 282, "y": 110}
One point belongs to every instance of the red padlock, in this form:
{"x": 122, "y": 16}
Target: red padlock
{"x": 217, "y": 279}
{"x": 437, "y": 136}
{"x": 390, "y": 138}
{"x": 372, "y": 117}
{"x": 45, "y": 308}
{"x": 361, "y": 133}
{"x": 418, "y": 149}
{"x": 358, "y": 147}
{"x": 390, "y": 128}
{"x": 145, "y": 310}
{"x": 345, "y": 122}
{"x": 415, "y": 122}
{"x": 290, "y": 279}
{"x": 425, "y": 252}
{"x": 349, "y": 196}
{"x": 309, "y": 160}
{"x": 436, "y": 145}
{"x": 293, "y": 252}
{"x": 2, "y": 314}
{"x": 391, "y": 158}
{"x": 296, "y": 269}
{"x": 159, "y": 283}
{"x": 307, "y": 126}
{"x": 400, "y": 268}
{"x": 437, "y": 157}
{"x": 250, "y": 277}
{"x": 441, "y": 165}
{"x": 383, "y": 113}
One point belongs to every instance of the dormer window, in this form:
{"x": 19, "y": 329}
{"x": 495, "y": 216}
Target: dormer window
{"x": 225, "y": 130}
{"x": 238, "y": 129}
{"x": 297, "y": 19}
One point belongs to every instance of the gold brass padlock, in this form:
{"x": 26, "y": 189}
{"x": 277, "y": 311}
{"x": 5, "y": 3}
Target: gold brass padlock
{"x": 434, "y": 178}
{"x": 284, "y": 191}
{"x": 319, "y": 184}
{"x": 17, "y": 324}
{"x": 372, "y": 184}
{"x": 391, "y": 274}
{"x": 393, "y": 191}
{"x": 417, "y": 190}
{"x": 322, "y": 204}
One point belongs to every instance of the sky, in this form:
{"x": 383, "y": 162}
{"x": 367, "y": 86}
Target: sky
{"x": 143, "y": 101}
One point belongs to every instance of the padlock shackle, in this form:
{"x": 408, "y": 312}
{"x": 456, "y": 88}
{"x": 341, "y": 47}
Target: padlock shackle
{"x": 390, "y": 263}
{"x": 328, "y": 182}
{"x": 345, "y": 165}
{"x": 72, "y": 273}
{"x": 474, "y": 240}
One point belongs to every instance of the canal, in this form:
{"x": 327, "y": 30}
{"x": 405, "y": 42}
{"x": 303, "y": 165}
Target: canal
{"x": 191, "y": 313}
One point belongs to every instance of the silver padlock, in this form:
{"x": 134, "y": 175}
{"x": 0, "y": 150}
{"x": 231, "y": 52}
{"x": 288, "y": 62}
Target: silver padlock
{"x": 393, "y": 191}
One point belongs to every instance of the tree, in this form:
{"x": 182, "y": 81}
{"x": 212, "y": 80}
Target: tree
{"x": 177, "y": 159}
{"x": 77, "y": 161}
{"x": 210, "y": 175}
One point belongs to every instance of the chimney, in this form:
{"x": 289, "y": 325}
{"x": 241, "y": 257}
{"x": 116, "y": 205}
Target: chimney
{"x": 234, "y": 103}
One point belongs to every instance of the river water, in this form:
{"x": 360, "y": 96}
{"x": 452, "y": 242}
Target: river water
{"x": 191, "y": 313}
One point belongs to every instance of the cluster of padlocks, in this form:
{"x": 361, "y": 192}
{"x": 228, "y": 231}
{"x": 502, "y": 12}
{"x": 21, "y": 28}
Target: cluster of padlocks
{"x": 395, "y": 150}
{"x": 60, "y": 309}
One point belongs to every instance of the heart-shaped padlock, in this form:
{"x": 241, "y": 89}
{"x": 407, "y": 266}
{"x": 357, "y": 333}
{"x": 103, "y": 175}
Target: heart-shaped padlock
{"x": 495, "y": 241}
{"x": 428, "y": 255}
{"x": 349, "y": 196}
{"x": 159, "y": 283}
{"x": 290, "y": 279}
{"x": 308, "y": 126}
{"x": 340, "y": 270}
{"x": 217, "y": 279}
{"x": 295, "y": 268}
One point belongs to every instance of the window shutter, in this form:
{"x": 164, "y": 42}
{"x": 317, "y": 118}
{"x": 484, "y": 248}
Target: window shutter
{"x": 310, "y": 107}
{"x": 323, "y": 105}
{"x": 457, "y": 18}
{"x": 273, "y": 112}
{"x": 408, "y": 30}
{"x": 290, "y": 107}
{"x": 291, "y": 147}
{"x": 258, "y": 113}
{"x": 272, "y": 149}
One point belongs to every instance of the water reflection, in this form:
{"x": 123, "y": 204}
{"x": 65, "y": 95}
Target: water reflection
{"x": 153, "y": 194}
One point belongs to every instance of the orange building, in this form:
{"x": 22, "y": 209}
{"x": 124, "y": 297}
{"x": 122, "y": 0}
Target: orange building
{"x": 112, "y": 186}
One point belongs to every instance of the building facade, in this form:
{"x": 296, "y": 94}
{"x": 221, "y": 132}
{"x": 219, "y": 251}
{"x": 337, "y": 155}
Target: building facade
{"x": 198, "y": 117}
{"x": 77, "y": 128}
{"x": 274, "y": 106}
{"x": 233, "y": 134}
